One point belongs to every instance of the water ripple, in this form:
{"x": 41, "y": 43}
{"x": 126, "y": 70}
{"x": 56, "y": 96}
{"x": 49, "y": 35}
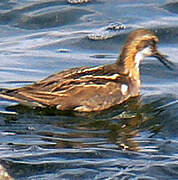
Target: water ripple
{"x": 136, "y": 140}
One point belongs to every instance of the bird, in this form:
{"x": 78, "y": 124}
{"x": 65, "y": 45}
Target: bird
{"x": 91, "y": 89}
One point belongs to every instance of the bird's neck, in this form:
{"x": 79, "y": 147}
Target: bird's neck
{"x": 129, "y": 61}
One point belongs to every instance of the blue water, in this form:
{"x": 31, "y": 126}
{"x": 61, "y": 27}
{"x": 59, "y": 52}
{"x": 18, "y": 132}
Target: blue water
{"x": 137, "y": 140}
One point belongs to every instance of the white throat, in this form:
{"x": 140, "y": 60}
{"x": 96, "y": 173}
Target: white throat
{"x": 141, "y": 55}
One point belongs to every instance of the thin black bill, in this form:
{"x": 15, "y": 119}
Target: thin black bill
{"x": 163, "y": 59}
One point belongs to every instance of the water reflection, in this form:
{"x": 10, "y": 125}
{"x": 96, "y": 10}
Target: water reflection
{"x": 117, "y": 128}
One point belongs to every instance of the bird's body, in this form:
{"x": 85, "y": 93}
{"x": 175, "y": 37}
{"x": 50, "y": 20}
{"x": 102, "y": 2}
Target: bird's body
{"x": 87, "y": 89}
{"x": 80, "y": 89}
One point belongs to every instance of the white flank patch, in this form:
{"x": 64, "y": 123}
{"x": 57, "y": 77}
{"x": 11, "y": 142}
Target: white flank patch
{"x": 124, "y": 89}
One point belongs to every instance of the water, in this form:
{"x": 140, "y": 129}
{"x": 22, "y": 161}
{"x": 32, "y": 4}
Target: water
{"x": 137, "y": 140}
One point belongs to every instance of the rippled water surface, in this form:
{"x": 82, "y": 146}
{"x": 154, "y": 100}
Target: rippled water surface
{"x": 136, "y": 140}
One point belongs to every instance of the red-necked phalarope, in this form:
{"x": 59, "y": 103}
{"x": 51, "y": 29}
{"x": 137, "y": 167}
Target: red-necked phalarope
{"x": 87, "y": 89}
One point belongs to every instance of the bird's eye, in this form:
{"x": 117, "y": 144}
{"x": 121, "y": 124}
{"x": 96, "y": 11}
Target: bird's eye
{"x": 151, "y": 43}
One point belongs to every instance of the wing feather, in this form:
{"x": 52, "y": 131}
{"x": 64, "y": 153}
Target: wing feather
{"x": 77, "y": 87}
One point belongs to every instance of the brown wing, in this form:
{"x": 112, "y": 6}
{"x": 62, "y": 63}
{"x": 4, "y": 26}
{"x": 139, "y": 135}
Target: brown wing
{"x": 80, "y": 89}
